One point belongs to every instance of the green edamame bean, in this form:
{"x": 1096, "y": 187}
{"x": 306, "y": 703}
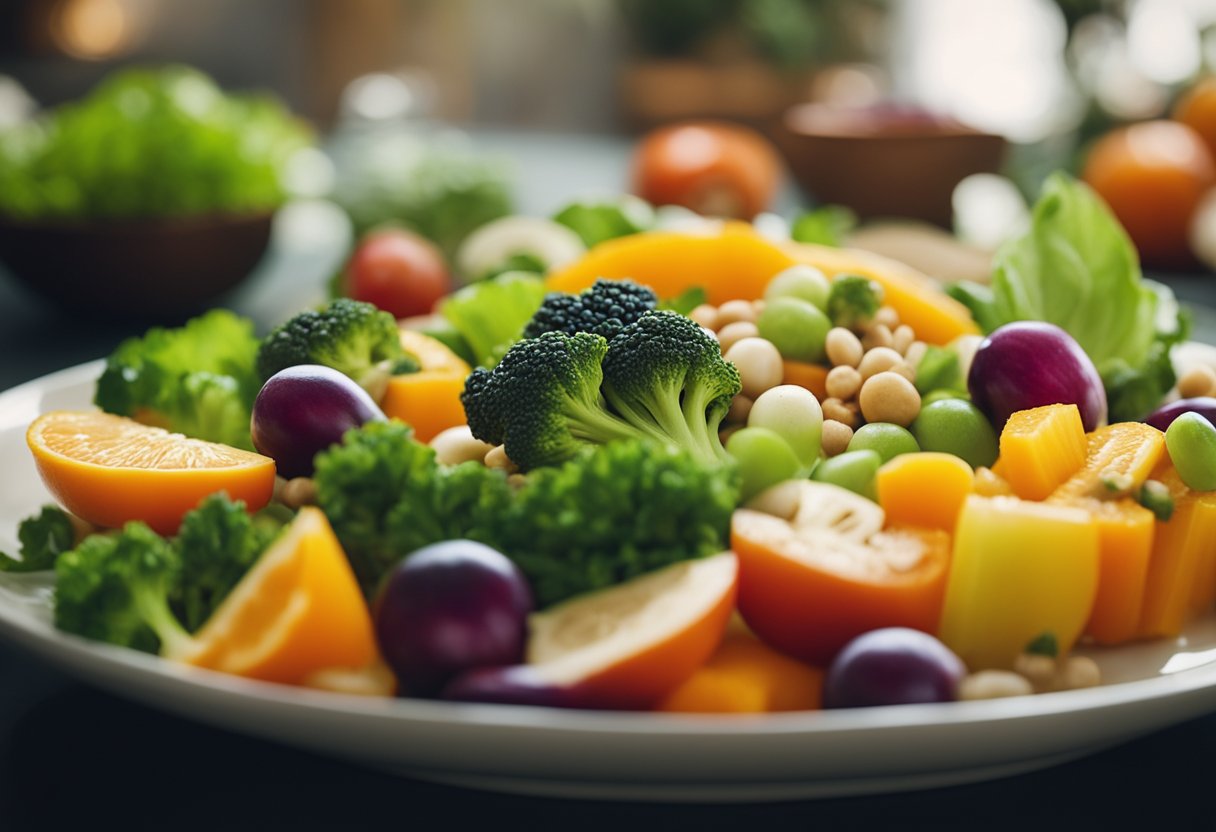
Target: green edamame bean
{"x": 956, "y": 426}
{"x": 797, "y": 328}
{"x": 853, "y": 470}
{"x": 1191, "y": 442}
{"x": 888, "y": 439}
{"x": 803, "y": 282}
{"x": 764, "y": 459}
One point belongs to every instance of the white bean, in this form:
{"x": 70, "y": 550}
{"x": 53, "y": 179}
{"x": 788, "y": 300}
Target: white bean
{"x": 759, "y": 364}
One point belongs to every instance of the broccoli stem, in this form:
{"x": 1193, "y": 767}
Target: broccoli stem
{"x": 589, "y": 422}
{"x": 153, "y": 607}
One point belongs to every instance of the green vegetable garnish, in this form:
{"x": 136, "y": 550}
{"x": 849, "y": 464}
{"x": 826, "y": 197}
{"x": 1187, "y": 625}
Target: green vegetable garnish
{"x": 1076, "y": 267}
{"x": 43, "y": 537}
{"x": 491, "y": 315}
{"x": 150, "y": 143}
{"x": 597, "y": 221}
{"x": 853, "y": 300}
{"x": 198, "y": 379}
{"x": 826, "y": 226}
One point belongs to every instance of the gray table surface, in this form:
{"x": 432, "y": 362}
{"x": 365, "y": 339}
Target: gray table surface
{"x": 71, "y": 754}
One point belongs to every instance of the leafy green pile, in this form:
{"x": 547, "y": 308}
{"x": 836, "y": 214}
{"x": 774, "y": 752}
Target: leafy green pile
{"x": 150, "y": 143}
{"x": 607, "y": 515}
{"x": 1076, "y": 267}
{"x": 199, "y": 379}
{"x": 43, "y": 538}
{"x": 136, "y": 589}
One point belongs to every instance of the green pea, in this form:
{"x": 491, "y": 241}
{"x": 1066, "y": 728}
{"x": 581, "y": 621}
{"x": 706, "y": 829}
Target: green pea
{"x": 1191, "y": 441}
{"x": 942, "y": 395}
{"x": 889, "y": 440}
{"x": 797, "y": 328}
{"x": 853, "y": 470}
{"x": 803, "y": 282}
{"x": 764, "y": 459}
{"x": 956, "y": 426}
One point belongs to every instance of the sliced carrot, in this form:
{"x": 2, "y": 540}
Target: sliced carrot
{"x": 813, "y": 377}
{"x": 745, "y": 675}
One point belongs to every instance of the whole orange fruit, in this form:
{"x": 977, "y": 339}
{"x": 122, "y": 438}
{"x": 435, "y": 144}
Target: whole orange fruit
{"x": 1153, "y": 175}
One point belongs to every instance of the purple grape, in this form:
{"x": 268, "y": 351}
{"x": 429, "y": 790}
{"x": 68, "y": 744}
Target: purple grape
{"x": 300, "y": 411}
{"x": 447, "y": 608}
{"x": 892, "y": 666}
{"x": 1162, "y": 417}
{"x": 1030, "y": 364}
{"x": 518, "y": 684}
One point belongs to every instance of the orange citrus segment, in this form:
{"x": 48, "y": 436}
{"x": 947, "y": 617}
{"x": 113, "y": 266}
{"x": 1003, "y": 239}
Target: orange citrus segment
{"x": 110, "y": 469}
{"x": 298, "y": 611}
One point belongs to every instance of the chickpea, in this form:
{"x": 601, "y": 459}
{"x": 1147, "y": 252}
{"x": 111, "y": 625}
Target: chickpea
{"x": 759, "y": 364}
{"x": 1080, "y": 672}
{"x": 902, "y": 338}
{"x": 886, "y": 316}
{"x": 916, "y": 353}
{"x": 736, "y": 310}
{"x": 878, "y": 360}
{"x": 1038, "y": 669}
{"x": 705, "y": 315}
{"x": 889, "y": 397}
{"x": 843, "y": 382}
{"x": 843, "y": 347}
{"x": 733, "y": 333}
{"x": 457, "y": 444}
{"x": 1197, "y": 381}
{"x": 836, "y": 437}
{"x": 994, "y": 684}
{"x": 497, "y": 458}
{"x": 877, "y": 336}
{"x": 299, "y": 491}
{"x": 839, "y": 411}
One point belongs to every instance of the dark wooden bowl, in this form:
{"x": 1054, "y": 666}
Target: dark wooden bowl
{"x": 884, "y": 166}
{"x": 138, "y": 269}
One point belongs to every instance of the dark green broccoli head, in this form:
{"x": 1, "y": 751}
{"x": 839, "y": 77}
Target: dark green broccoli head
{"x": 667, "y": 376}
{"x": 352, "y": 337}
{"x": 853, "y": 300}
{"x": 43, "y": 537}
{"x": 604, "y": 309}
{"x": 542, "y": 401}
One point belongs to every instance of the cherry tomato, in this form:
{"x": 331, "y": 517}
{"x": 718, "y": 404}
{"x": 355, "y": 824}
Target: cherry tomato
{"x": 1197, "y": 110}
{"x": 399, "y": 271}
{"x": 713, "y": 168}
{"x": 1153, "y": 175}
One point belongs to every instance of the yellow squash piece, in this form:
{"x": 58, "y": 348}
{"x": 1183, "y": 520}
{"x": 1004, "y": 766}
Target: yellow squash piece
{"x": 1020, "y": 569}
{"x": 734, "y": 262}
{"x": 1040, "y": 449}
{"x": 1120, "y": 458}
{"x": 924, "y": 489}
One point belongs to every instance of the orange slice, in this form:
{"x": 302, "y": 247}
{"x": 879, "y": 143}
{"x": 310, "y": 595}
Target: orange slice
{"x": 626, "y": 646}
{"x": 296, "y": 613}
{"x": 110, "y": 469}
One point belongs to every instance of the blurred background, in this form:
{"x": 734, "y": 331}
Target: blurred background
{"x": 944, "y": 113}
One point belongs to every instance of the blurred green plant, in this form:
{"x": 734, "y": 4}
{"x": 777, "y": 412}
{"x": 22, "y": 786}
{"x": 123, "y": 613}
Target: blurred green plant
{"x": 150, "y": 143}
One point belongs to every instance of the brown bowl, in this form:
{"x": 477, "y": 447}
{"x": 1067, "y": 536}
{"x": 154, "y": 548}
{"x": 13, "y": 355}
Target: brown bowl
{"x": 139, "y": 269}
{"x": 884, "y": 162}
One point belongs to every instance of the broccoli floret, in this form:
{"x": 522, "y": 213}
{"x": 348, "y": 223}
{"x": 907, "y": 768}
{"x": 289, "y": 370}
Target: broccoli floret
{"x": 385, "y": 496}
{"x": 199, "y": 379}
{"x": 43, "y": 537}
{"x": 543, "y": 400}
{"x": 116, "y": 587}
{"x": 604, "y": 309}
{"x": 217, "y": 543}
{"x": 666, "y": 376}
{"x": 137, "y": 589}
{"x": 853, "y": 300}
{"x": 613, "y": 513}
{"x": 352, "y": 337}
{"x": 608, "y": 514}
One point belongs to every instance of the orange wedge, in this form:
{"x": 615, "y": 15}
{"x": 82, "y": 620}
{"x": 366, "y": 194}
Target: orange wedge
{"x": 110, "y": 469}
{"x": 626, "y": 646}
{"x": 296, "y": 613}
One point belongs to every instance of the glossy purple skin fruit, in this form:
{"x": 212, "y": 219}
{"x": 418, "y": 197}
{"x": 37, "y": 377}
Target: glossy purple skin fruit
{"x": 892, "y": 666}
{"x": 447, "y": 608}
{"x": 518, "y": 684}
{"x": 1162, "y": 417}
{"x": 1031, "y": 364}
{"x": 300, "y": 411}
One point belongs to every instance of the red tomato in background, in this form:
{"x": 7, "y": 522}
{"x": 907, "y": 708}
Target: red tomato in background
{"x": 713, "y": 168}
{"x": 399, "y": 271}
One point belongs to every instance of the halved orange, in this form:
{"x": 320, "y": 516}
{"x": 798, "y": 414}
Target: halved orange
{"x": 626, "y": 646}
{"x": 297, "y": 612}
{"x": 110, "y": 469}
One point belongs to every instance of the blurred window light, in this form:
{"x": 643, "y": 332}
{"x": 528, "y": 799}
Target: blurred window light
{"x": 1163, "y": 40}
{"x": 988, "y": 210}
{"x": 997, "y": 66}
{"x": 93, "y": 29}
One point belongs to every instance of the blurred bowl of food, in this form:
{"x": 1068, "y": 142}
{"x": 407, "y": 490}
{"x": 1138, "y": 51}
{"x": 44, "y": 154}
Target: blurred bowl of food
{"x": 885, "y": 160}
{"x": 149, "y": 198}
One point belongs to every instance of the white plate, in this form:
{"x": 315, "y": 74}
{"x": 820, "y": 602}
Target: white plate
{"x": 614, "y": 755}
